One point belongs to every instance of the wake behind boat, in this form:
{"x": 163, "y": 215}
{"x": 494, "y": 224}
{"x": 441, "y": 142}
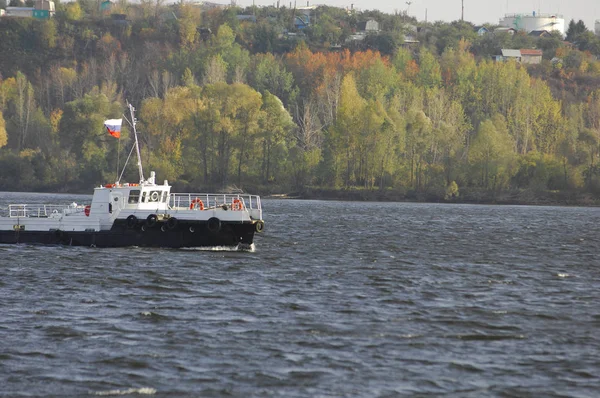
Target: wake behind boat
{"x": 138, "y": 214}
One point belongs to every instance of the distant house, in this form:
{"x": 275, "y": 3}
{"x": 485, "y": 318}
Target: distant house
{"x": 106, "y": 6}
{"x": 40, "y": 14}
{"x": 355, "y": 37}
{"x": 362, "y": 29}
{"x": 533, "y": 57}
{"x": 370, "y": 26}
{"x": 409, "y": 41}
{"x": 306, "y": 11}
{"x": 510, "y": 31}
{"x": 19, "y": 12}
{"x": 481, "y": 30}
{"x": 207, "y": 5}
{"x": 42, "y": 9}
{"x": 291, "y": 35}
{"x": 119, "y": 19}
{"x": 525, "y": 56}
{"x": 2, "y": 12}
{"x": 301, "y": 21}
{"x": 539, "y": 33}
{"x": 508, "y": 54}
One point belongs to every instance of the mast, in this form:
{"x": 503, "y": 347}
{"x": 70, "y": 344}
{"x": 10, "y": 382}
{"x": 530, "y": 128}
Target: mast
{"x": 137, "y": 144}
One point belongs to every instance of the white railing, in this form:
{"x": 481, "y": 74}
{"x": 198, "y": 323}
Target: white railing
{"x": 37, "y": 210}
{"x": 213, "y": 201}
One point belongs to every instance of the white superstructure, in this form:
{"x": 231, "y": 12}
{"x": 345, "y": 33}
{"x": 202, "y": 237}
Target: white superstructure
{"x": 534, "y": 21}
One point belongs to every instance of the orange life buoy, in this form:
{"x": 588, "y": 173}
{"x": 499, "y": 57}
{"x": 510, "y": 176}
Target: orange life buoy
{"x": 86, "y": 210}
{"x": 197, "y": 203}
{"x": 236, "y": 205}
{"x": 109, "y": 186}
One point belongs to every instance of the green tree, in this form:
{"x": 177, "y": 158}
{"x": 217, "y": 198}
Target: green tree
{"x": 575, "y": 30}
{"x": 344, "y": 135}
{"x": 419, "y": 131}
{"x": 491, "y": 152}
{"x": 47, "y": 34}
{"x": 275, "y": 126}
{"x": 82, "y": 134}
{"x": 429, "y": 70}
{"x": 246, "y": 118}
{"x": 268, "y": 74}
{"x": 215, "y": 71}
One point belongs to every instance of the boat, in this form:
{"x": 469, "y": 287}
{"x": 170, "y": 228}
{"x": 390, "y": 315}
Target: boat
{"x": 144, "y": 214}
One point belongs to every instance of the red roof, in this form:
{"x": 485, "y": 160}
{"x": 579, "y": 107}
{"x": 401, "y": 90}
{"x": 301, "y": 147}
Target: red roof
{"x": 532, "y": 52}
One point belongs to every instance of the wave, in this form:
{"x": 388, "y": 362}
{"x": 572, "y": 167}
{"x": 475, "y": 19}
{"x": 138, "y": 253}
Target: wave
{"x": 139, "y": 391}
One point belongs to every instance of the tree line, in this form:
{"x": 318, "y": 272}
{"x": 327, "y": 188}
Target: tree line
{"x": 222, "y": 102}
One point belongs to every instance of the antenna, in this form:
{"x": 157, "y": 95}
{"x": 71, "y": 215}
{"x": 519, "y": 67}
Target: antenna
{"x": 408, "y": 3}
{"x": 462, "y": 15}
{"x": 137, "y": 144}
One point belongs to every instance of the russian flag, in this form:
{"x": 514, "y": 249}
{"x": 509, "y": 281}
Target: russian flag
{"x": 114, "y": 127}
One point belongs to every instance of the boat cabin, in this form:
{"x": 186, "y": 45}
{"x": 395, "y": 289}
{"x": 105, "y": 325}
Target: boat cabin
{"x": 113, "y": 198}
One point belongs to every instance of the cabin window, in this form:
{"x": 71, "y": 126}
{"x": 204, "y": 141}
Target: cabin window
{"x": 154, "y": 196}
{"x": 164, "y": 197}
{"x": 144, "y": 194}
{"x": 134, "y": 196}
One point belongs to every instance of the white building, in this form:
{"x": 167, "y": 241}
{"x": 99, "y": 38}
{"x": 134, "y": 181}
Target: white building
{"x": 369, "y": 26}
{"x": 20, "y": 12}
{"x": 531, "y": 22}
{"x": 42, "y": 9}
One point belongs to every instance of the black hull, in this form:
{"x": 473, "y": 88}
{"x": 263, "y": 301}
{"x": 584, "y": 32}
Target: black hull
{"x": 184, "y": 234}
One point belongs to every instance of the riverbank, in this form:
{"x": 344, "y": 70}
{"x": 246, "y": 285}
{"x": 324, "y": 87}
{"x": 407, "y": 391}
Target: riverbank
{"x": 470, "y": 196}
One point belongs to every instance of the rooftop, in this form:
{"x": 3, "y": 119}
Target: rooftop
{"x": 511, "y": 53}
{"x": 531, "y": 52}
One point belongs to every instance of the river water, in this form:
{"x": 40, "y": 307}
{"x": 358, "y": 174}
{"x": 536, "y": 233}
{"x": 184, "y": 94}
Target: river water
{"x": 338, "y": 299}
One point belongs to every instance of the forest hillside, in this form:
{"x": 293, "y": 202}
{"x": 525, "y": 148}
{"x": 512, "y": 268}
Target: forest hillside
{"x": 273, "y": 102}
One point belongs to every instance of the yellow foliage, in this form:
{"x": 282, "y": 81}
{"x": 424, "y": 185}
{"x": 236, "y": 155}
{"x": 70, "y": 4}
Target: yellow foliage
{"x": 3, "y": 136}
{"x": 29, "y": 153}
{"x": 55, "y": 117}
{"x": 74, "y": 11}
{"x": 68, "y": 75}
{"x": 189, "y": 18}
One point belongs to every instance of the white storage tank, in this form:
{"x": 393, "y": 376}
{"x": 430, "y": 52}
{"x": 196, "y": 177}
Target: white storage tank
{"x": 534, "y": 21}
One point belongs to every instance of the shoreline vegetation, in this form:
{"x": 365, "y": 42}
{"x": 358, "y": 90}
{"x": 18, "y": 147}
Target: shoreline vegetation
{"x": 517, "y": 197}
{"x": 320, "y": 102}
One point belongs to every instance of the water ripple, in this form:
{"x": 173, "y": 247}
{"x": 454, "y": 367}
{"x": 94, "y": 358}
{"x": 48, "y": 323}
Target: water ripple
{"x": 336, "y": 299}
